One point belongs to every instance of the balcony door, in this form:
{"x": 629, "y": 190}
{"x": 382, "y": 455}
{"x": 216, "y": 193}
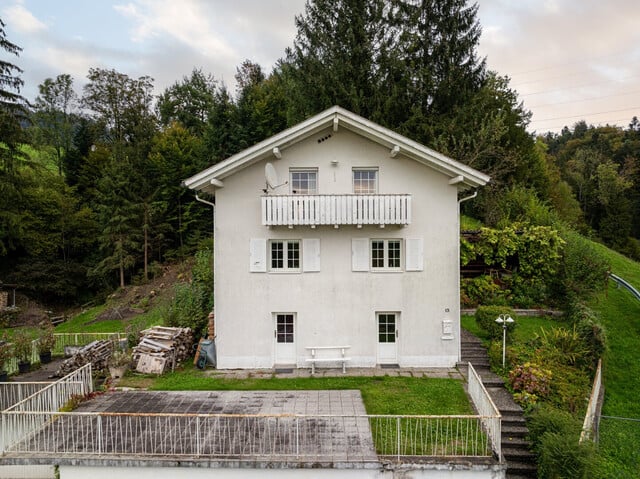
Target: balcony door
{"x": 387, "y": 338}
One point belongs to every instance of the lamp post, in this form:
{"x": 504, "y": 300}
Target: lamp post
{"x": 504, "y": 320}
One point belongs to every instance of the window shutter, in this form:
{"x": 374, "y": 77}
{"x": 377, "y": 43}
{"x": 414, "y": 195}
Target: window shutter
{"x": 258, "y": 255}
{"x": 415, "y": 254}
{"x": 311, "y": 255}
{"x": 360, "y": 254}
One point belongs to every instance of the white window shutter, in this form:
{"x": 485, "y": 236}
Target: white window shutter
{"x": 360, "y": 254}
{"x": 258, "y": 255}
{"x": 311, "y": 255}
{"x": 414, "y": 260}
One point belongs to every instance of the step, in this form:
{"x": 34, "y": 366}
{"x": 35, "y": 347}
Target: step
{"x": 533, "y": 475}
{"x": 509, "y": 441}
{"x": 515, "y": 431}
{"x": 525, "y": 469}
{"x": 466, "y": 356}
{"x": 517, "y": 455}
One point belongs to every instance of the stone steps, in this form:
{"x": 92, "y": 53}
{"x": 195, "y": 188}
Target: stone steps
{"x": 521, "y": 462}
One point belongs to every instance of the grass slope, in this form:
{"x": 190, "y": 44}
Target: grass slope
{"x": 620, "y": 314}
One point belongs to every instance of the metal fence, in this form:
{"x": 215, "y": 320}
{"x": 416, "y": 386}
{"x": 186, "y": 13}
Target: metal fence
{"x": 35, "y": 410}
{"x": 249, "y": 437}
{"x": 12, "y": 393}
{"x": 491, "y": 417}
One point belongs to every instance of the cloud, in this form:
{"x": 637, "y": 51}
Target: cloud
{"x": 22, "y": 19}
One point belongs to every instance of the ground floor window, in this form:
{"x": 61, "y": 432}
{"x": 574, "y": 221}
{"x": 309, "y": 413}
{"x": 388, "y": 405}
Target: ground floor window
{"x": 284, "y": 328}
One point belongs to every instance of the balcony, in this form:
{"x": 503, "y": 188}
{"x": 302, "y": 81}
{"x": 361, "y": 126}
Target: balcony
{"x": 336, "y": 210}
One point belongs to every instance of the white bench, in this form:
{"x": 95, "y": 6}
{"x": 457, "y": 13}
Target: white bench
{"x": 318, "y": 356}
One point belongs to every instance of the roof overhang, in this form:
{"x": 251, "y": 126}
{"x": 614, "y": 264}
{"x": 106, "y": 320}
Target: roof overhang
{"x": 336, "y": 117}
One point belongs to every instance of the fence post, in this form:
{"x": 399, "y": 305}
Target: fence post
{"x": 297, "y": 436}
{"x": 398, "y": 434}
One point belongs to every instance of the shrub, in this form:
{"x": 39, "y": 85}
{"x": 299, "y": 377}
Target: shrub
{"x": 486, "y": 318}
{"x": 46, "y": 338}
{"x": 482, "y": 290}
{"x": 591, "y": 331}
{"x": 22, "y": 346}
{"x": 189, "y": 307}
{"x": 530, "y": 382}
{"x": 555, "y": 436}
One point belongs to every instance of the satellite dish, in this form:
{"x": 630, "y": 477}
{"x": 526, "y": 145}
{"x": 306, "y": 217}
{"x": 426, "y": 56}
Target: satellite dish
{"x": 271, "y": 176}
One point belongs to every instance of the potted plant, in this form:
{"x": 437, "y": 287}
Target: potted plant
{"x": 22, "y": 349}
{"x": 119, "y": 363}
{"x": 5, "y": 355}
{"x": 46, "y": 342}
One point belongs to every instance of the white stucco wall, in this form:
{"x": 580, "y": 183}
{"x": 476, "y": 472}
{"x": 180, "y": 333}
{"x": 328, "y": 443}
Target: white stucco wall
{"x": 337, "y": 306}
{"x": 403, "y": 472}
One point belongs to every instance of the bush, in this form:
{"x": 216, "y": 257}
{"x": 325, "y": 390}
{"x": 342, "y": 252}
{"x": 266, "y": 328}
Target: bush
{"x": 555, "y": 435}
{"x": 592, "y": 332}
{"x": 482, "y": 290}
{"x": 531, "y": 379}
{"x": 189, "y": 308}
{"x": 486, "y": 319}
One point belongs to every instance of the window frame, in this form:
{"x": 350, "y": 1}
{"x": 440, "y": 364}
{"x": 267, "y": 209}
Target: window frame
{"x": 295, "y": 191}
{"x": 374, "y": 170}
{"x": 386, "y": 257}
{"x": 285, "y": 268}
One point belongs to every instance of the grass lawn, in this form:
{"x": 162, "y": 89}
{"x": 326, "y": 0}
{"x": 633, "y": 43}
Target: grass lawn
{"x": 86, "y": 322}
{"x": 381, "y": 395}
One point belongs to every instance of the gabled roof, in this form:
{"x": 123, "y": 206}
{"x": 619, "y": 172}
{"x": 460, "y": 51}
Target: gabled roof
{"x": 337, "y": 117}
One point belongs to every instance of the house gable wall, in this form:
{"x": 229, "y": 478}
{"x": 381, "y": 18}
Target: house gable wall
{"x": 335, "y": 305}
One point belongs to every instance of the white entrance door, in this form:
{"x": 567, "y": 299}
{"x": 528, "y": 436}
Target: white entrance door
{"x": 387, "y": 338}
{"x": 285, "y": 339}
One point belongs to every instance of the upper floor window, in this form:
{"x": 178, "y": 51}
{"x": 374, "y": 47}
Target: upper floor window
{"x": 304, "y": 181}
{"x": 365, "y": 181}
{"x": 386, "y": 254}
{"x": 285, "y": 255}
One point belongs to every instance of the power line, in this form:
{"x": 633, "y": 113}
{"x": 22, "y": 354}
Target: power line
{"x": 579, "y": 86}
{"x": 586, "y": 114}
{"x": 584, "y": 99}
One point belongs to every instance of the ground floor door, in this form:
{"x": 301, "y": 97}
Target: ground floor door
{"x": 387, "y": 338}
{"x": 285, "y": 346}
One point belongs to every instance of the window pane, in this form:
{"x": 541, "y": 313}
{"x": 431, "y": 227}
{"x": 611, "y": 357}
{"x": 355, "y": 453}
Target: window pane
{"x": 284, "y": 328}
{"x": 394, "y": 254}
{"x": 293, "y": 254}
{"x": 304, "y": 182}
{"x": 365, "y": 182}
{"x": 377, "y": 254}
{"x": 277, "y": 254}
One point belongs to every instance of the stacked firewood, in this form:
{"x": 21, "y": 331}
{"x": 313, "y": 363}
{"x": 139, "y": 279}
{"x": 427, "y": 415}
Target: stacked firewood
{"x": 97, "y": 353}
{"x": 162, "y": 348}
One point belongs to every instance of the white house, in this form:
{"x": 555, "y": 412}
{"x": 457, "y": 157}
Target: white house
{"x": 337, "y": 232}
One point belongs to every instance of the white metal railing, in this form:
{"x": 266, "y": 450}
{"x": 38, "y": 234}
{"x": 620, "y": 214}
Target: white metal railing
{"x": 491, "y": 417}
{"x": 12, "y": 393}
{"x": 312, "y": 210}
{"x": 350, "y": 438}
{"x": 590, "y": 425}
{"x": 36, "y": 409}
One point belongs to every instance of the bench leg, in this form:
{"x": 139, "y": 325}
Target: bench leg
{"x": 313, "y": 368}
{"x": 344, "y": 367}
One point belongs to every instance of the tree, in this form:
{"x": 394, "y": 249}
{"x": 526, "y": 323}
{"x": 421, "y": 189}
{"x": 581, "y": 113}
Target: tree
{"x": 334, "y": 59}
{"x": 189, "y": 102}
{"x": 53, "y": 114}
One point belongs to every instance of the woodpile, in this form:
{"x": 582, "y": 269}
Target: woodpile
{"x": 97, "y": 353}
{"x": 162, "y": 348}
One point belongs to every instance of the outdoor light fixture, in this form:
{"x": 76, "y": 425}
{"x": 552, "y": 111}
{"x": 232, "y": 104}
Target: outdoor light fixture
{"x": 504, "y": 320}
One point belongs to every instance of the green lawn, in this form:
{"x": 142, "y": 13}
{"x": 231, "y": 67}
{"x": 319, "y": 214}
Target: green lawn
{"x": 381, "y": 395}
{"x": 86, "y": 322}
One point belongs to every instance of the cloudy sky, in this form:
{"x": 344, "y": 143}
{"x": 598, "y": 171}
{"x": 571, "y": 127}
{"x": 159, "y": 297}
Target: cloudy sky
{"x": 568, "y": 59}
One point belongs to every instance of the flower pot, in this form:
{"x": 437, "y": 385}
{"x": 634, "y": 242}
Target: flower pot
{"x": 117, "y": 371}
{"x": 24, "y": 367}
{"x": 45, "y": 357}
{"x": 4, "y": 376}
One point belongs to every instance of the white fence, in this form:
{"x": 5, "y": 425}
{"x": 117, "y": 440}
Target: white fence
{"x": 491, "y": 417}
{"x": 12, "y": 393}
{"x": 591, "y": 423}
{"x": 292, "y": 210}
{"x": 34, "y": 411}
{"x": 249, "y": 437}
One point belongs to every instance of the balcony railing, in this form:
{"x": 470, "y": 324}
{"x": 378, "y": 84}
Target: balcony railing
{"x": 336, "y": 210}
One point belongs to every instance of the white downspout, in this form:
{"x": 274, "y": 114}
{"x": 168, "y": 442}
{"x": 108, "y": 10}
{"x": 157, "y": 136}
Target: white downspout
{"x": 213, "y": 234}
{"x": 460, "y": 201}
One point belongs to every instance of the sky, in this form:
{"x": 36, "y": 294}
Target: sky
{"x": 569, "y": 60}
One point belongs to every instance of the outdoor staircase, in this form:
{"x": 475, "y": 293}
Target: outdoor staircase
{"x": 521, "y": 462}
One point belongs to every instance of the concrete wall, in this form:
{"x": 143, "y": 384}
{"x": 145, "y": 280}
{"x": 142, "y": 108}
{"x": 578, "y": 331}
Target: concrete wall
{"x": 400, "y": 472}
{"x": 337, "y": 306}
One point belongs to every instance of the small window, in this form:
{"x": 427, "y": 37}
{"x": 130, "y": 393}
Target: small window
{"x": 386, "y": 254}
{"x": 285, "y": 255}
{"x": 284, "y": 328}
{"x": 304, "y": 182}
{"x": 365, "y": 181}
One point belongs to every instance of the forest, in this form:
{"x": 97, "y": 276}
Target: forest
{"x": 90, "y": 180}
